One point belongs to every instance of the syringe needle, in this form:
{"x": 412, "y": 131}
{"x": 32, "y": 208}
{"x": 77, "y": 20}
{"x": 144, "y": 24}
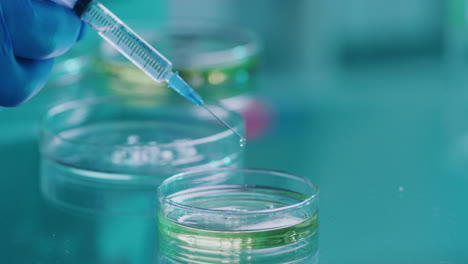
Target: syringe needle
{"x": 179, "y": 85}
{"x": 242, "y": 139}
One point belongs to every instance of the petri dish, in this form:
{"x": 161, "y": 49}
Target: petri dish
{"x": 220, "y": 62}
{"x": 238, "y": 215}
{"x": 94, "y": 146}
{"x": 102, "y": 160}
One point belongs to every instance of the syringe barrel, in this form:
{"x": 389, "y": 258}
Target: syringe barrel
{"x": 132, "y": 46}
{"x": 121, "y": 37}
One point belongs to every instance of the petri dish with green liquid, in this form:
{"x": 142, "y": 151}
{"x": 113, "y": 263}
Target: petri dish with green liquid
{"x": 237, "y": 215}
{"x": 220, "y": 62}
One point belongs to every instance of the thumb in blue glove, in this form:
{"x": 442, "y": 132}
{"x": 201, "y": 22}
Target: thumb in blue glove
{"x": 32, "y": 33}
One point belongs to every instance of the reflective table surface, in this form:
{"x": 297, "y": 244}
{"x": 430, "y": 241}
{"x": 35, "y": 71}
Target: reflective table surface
{"x": 388, "y": 147}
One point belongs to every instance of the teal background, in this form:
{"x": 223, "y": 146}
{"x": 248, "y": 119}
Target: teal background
{"x": 367, "y": 98}
{"x": 391, "y": 166}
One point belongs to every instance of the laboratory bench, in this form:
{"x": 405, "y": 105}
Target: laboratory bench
{"x": 386, "y": 144}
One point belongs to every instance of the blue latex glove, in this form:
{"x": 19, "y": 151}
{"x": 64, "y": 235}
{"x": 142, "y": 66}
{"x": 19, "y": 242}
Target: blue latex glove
{"x": 32, "y": 33}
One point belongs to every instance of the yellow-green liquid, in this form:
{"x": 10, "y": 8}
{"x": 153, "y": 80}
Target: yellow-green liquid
{"x": 273, "y": 239}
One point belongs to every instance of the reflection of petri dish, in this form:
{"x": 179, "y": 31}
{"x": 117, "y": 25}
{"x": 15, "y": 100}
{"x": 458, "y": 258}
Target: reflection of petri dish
{"x": 218, "y": 61}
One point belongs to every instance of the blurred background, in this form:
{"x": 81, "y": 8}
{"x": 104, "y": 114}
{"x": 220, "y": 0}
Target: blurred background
{"x": 367, "y": 98}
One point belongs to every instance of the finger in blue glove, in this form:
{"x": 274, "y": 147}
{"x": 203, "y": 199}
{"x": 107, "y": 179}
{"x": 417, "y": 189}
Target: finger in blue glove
{"x": 32, "y": 32}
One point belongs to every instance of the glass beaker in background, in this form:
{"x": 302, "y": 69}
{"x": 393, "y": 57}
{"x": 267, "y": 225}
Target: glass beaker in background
{"x": 219, "y": 61}
{"x": 102, "y": 160}
{"x": 235, "y": 215}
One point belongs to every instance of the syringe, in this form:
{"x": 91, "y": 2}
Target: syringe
{"x": 136, "y": 49}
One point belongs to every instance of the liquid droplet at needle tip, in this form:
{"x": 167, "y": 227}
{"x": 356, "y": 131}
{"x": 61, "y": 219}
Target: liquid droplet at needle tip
{"x": 242, "y": 140}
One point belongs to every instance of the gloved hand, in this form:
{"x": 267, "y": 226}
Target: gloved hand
{"x": 32, "y": 33}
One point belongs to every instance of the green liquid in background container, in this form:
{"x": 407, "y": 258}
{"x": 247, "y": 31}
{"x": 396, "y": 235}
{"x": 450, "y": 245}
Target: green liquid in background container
{"x": 219, "y": 62}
